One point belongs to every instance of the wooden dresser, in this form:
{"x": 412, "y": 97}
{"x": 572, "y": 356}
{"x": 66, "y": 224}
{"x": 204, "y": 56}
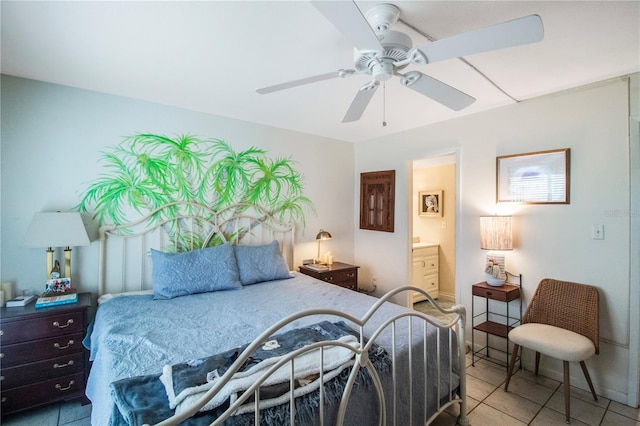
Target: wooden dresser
{"x": 338, "y": 273}
{"x": 42, "y": 358}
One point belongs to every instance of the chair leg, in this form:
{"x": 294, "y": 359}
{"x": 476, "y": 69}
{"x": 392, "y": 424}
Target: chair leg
{"x": 537, "y": 361}
{"x": 586, "y": 376}
{"x": 512, "y": 364}
{"x": 567, "y": 387}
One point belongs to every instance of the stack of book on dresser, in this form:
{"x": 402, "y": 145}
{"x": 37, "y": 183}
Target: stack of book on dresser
{"x": 51, "y": 299}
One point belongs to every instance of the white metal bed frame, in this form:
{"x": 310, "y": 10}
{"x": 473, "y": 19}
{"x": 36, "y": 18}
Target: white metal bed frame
{"x": 259, "y": 227}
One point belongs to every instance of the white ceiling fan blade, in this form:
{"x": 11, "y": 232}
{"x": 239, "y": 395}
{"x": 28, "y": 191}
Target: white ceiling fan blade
{"x": 303, "y": 81}
{"x": 360, "y": 102}
{"x": 347, "y": 18}
{"x": 437, "y": 90}
{"x": 528, "y": 29}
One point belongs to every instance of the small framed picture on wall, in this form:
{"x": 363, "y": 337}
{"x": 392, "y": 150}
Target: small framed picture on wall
{"x": 430, "y": 203}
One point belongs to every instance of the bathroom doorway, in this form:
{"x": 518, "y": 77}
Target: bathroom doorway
{"x": 434, "y": 228}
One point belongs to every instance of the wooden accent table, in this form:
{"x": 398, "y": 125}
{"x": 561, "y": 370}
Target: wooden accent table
{"x": 494, "y": 323}
{"x": 342, "y": 274}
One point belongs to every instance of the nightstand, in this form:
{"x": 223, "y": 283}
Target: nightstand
{"x": 339, "y": 273}
{"x": 496, "y": 320}
{"x": 42, "y": 358}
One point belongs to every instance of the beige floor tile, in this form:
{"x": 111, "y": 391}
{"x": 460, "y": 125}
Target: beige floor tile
{"x": 549, "y": 417}
{"x": 46, "y": 416}
{"x": 615, "y": 419}
{"x": 488, "y": 372}
{"x": 625, "y": 410}
{"x": 478, "y": 389}
{"x": 587, "y": 396}
{"x": 541, "y": 380}
{"x": 514, "y": 405}
{"x": 586, "y": 412}
{"x": 484, "y": 415}
{"x": 529, "y": 389}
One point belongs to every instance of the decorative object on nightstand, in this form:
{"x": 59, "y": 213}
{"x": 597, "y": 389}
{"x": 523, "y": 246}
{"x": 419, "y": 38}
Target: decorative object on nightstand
{"x": 495, "y": 235}
{"x": 338, "y": 273}
{"x": 43, "y": 360}
{"x": 492, "y": 322}
{"x": 322, "y": 236}
{"x": 57, "y": 229}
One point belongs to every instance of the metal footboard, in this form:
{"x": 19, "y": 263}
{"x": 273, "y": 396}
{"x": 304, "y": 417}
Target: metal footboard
{"x": 445, "y": 397}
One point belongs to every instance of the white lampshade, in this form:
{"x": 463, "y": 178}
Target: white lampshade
{"x": 56, "y": 229}
{"x": 496, "y": 233}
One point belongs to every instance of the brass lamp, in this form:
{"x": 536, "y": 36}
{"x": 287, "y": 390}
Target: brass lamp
{"x": 496, "y": 236}
{"x": 57, "y": 229}
{"x": 322, "y": 235}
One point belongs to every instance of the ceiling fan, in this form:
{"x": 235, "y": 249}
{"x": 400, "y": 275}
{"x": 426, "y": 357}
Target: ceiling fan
{"x": 382, "y": 53}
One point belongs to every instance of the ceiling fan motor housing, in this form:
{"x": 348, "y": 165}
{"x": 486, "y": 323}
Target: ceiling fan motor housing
{"x": 380, "y": 64}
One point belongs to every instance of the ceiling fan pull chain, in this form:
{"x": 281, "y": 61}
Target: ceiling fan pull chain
{"x": 384, "y": 104}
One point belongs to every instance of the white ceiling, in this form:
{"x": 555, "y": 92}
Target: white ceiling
{"x": 211, "y": 56}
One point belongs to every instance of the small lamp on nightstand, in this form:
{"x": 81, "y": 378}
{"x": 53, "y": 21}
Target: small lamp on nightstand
{"x": 322, "y": 235}
{"x": 57, "y": 229}
{"x": 495, "y": 235}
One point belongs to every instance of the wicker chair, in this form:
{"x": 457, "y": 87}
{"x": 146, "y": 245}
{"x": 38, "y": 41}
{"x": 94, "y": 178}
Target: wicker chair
{"x": 561, "y": 322}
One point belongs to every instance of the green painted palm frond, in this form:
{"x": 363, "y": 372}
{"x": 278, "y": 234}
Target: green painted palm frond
{"x": 147, "y": 171}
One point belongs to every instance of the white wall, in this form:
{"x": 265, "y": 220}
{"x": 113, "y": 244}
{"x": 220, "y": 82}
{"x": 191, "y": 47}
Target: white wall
{"x": 552, "y": 240}
{"x": 51, "y": 139}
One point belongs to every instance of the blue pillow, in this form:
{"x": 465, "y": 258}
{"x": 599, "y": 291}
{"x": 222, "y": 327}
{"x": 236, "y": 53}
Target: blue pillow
{"x": 257, "y": 264}
{"x": 191, "y": 272}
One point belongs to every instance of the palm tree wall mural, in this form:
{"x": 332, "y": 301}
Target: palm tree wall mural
{"x": 147, "y": 171}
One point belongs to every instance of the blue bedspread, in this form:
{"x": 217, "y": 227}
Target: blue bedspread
{"x": 136, "y": 336}
{"x": 141, "y": 401}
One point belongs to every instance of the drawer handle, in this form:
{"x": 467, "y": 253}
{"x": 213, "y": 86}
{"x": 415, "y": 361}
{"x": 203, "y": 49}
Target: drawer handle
{"x": 1, "y": 355}
{"x": 69, "y": 364}
{"x": 351, "y": 275}
{"x": 57, "y": 324}
{"x": 328, "y": 278}
{"x": 1, "y": 378}
{"x": 59, "y": 386}
{"x": 69, "y": 343}
{"x": 1, "y": 332}
{"x": 3, "y": 399}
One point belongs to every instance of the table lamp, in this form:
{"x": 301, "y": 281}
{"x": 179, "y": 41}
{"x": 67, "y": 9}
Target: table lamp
{"x": 57, "y": 229}
{"x": 495, "y": 236}
{"x": 322, "y": 235}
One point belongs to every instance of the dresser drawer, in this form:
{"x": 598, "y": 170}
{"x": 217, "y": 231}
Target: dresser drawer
{"x": 59, "y": 389}
{"x": 22, "y": 353}
{"x": 42, "y": 370}
{"x": 430, "y": 264}
{"x": 42, "y": 327}
{"x": 430, "y": 283}
{"x": 341, "y": 277}
{"x": 505, "y": 293}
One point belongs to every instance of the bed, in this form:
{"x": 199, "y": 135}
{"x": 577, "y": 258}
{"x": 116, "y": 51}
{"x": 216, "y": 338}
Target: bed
{"x": 276, "y": 348}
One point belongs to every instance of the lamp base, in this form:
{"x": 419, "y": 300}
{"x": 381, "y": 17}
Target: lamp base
{"x": 494, "y": 269}
{"x": 494, "y": 282}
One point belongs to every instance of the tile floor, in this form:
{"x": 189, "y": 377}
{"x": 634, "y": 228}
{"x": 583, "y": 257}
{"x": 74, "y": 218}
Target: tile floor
{"x": 531, "y": 400}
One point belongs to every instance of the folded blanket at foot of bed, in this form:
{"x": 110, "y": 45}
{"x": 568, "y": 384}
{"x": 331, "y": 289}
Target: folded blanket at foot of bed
{"x": 148, "y": 399}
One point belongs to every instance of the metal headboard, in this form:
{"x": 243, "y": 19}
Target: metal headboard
{"x": 125, "y": 265}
